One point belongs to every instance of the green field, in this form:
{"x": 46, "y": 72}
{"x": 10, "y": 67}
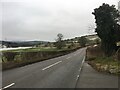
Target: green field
{"x": 37, "y": 49}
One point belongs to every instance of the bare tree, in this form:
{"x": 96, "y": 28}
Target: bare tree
{"x": 59, "y": 42}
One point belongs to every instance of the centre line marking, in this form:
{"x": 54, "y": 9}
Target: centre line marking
{"x": 68, "y": 57}
{"x": 7, "y": 86}
{"x": 51, "y": 65}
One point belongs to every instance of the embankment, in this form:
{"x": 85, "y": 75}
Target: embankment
{"x": 17, "y": 59}
{"x": 95, "y": 57}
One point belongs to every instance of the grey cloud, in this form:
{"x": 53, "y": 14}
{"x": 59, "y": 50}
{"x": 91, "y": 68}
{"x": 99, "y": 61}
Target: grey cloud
{"x": 43, "y": 19}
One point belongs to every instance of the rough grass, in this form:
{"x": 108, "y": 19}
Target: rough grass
{"x": 106, "y": 60}
{"x": 97, "y": 60}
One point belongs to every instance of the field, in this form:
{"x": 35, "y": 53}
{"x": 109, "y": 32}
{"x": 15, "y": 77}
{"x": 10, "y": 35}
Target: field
{"x": 16, "y": 58}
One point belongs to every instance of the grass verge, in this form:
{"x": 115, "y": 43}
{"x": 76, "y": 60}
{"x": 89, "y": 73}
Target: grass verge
{"x": 101, "y": 63}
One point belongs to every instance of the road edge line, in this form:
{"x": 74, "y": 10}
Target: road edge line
{"x": 80, "y": 69}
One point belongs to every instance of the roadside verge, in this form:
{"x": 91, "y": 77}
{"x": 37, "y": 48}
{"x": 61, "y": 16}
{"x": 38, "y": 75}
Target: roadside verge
{"x": 101, "y": 63}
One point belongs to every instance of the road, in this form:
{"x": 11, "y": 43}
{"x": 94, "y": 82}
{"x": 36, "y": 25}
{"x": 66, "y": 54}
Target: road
{"x": 60, "y": 72}
{"x": 90, "y": 78}
{"x": 68, "y": 71}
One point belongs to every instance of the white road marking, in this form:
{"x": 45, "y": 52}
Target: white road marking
{"x": 7, "y": 86}
{"x": 83, "y": 60}
{"x": 51, "y": 65}
{"x": 77, "y": 77}
{"x": 82, "y": 63}
{"x": 68, "y": 57}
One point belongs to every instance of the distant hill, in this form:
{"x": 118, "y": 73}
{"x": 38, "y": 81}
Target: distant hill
{"x": 33, "y": 43}
{"x": 89, "y": 37}
{"x": 22, "y": 43}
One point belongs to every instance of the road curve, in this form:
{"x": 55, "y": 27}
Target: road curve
{"x": 60, "y": 72}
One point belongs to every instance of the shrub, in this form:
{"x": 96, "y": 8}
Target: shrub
{"x": 10, "y": 55}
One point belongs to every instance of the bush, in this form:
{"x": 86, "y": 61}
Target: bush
{"x": 10, "y": 55}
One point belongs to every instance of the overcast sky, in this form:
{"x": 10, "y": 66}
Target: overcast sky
{"x": 44, "y": 19}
